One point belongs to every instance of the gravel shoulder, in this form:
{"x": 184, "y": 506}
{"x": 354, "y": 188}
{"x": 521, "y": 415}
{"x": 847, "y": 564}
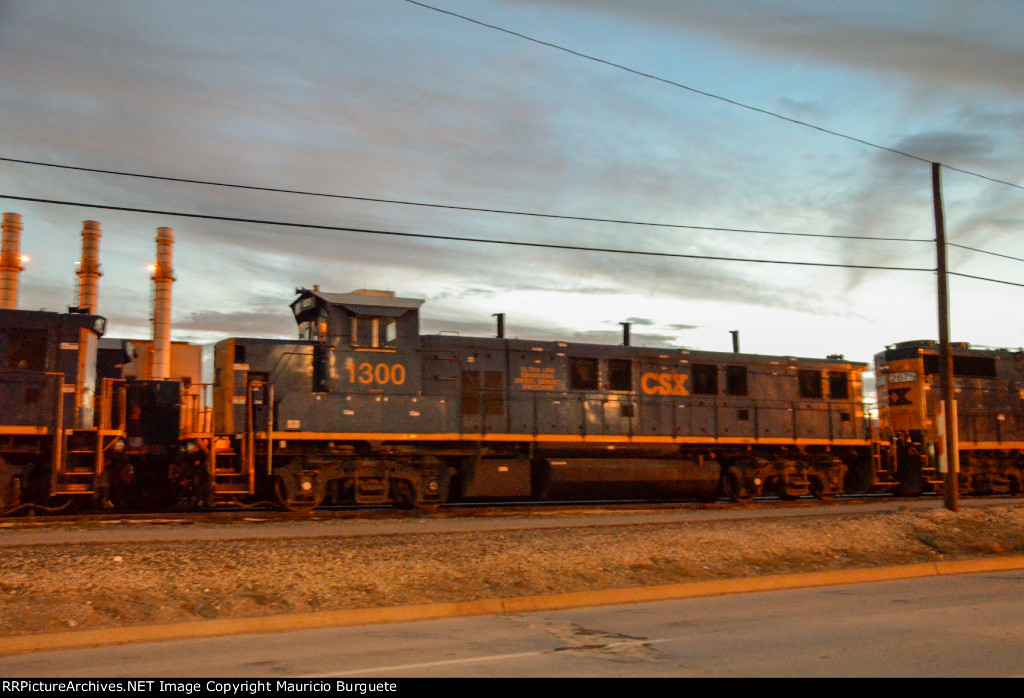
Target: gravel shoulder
{"x": 53, "y": 586}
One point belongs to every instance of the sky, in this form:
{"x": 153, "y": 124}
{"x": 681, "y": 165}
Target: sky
{"x": 388, "y": 99}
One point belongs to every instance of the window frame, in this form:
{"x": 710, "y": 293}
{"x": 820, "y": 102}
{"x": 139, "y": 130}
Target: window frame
{"x": 383, "y": 331}
{"x": 623, "y": 369}
{"x": 735, "y": 385}
{"x": 704, "y": 379}
{"x": 593, "y": 380}
{"x": 839, "y": 378}
{"x": 810, "y": 383}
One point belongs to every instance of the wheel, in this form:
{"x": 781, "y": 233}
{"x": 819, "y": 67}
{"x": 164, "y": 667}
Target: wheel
{"x": 405, "y": 495}
{"x": 732, "y": 485}
{"x": 294, "y": 498}
{"x": 1015, "y": 485}
{"x": 402, "y": 494}
{"x": 818, "y": 490}
{"x": 10, "y": 495}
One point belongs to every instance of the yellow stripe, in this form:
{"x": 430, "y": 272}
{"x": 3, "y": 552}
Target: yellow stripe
{"x": 552, "y": 438}
{"x": 993, "y": 445}
{"x": 20, "y": 431}
{"x": 43, "y": 431}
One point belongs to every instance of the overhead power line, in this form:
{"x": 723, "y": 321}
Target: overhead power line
{"x": 515, "y": 243}
{"x": 705, "y": 93}
{"x": 984, "y": 278}
{"x": 586, "y": 219}
{"x": 455, "y": 238}
{"x": 487, "y": 210}
{"x": 975, "y": 249}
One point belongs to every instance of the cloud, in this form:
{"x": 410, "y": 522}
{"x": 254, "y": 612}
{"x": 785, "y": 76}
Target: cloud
{"x": 967, "y": 149}
{"x": 389, "y": 101}
{"x": 238, "y": 324}
{"x": 942, "y": 43}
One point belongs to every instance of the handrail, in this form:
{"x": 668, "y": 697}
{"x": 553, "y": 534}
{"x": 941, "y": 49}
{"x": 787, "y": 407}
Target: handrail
{"x": 57, "y": 457}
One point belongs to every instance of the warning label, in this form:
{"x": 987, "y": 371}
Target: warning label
{"x": 537, "y": 378}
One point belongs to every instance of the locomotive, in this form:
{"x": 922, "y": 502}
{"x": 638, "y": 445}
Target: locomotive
{"x": 55, "y": 435}
{"x": 363, "y": 408}
{"x": 989, "y": 386}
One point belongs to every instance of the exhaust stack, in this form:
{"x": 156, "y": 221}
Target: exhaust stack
{"x": 11, "y": 261}
{"x": 89, "y": 269}
{"x": 163, "y": 277}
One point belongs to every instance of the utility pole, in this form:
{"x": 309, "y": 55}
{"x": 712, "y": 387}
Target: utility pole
{"x": 951, "y": 446}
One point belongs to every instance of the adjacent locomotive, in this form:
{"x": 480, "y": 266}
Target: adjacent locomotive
{"x": 989, "y": 386}
{"x": 56, "y": 435}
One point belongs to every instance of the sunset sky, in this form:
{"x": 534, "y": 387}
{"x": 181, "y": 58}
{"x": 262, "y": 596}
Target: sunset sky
{"x": 388, "y": 99}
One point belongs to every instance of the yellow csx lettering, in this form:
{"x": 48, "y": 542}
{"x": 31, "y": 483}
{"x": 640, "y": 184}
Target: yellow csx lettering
{"x": 664, "y": 383}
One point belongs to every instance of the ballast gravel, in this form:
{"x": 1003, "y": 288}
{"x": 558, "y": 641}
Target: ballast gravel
{"x": 57, "y": 586}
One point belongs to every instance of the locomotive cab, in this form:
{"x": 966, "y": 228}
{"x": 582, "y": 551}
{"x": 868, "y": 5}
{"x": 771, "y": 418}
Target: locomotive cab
{"x": 364, "y": 341}
{"x": 304, "y": 409}
{"x": 37, "y": 346}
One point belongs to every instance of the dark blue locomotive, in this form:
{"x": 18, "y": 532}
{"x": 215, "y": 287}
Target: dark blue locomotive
{"x": 364, "y": 408}
{"x": 76, "y": 428}
{"x": 59, "y": 424}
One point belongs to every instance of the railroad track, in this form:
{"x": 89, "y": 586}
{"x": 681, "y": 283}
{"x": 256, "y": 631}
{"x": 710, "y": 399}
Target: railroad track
{"x": 234, "y": 514}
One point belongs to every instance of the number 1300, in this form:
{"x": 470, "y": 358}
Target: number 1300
{"x": 381, "y": 374}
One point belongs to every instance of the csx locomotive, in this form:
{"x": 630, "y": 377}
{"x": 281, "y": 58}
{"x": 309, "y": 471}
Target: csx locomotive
{"x": 365, "y": 408}
{"x": 989, "y": 387}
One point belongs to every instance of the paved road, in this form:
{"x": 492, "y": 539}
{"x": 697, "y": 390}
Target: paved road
{"x": 964, "y": 625}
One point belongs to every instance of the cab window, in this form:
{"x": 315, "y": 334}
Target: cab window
{"x": 25, "y": 348}
{"x": 374, "y": 332}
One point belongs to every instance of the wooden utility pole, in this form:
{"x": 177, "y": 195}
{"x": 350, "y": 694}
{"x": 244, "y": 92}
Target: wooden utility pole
{"x": 951, "y": 445}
